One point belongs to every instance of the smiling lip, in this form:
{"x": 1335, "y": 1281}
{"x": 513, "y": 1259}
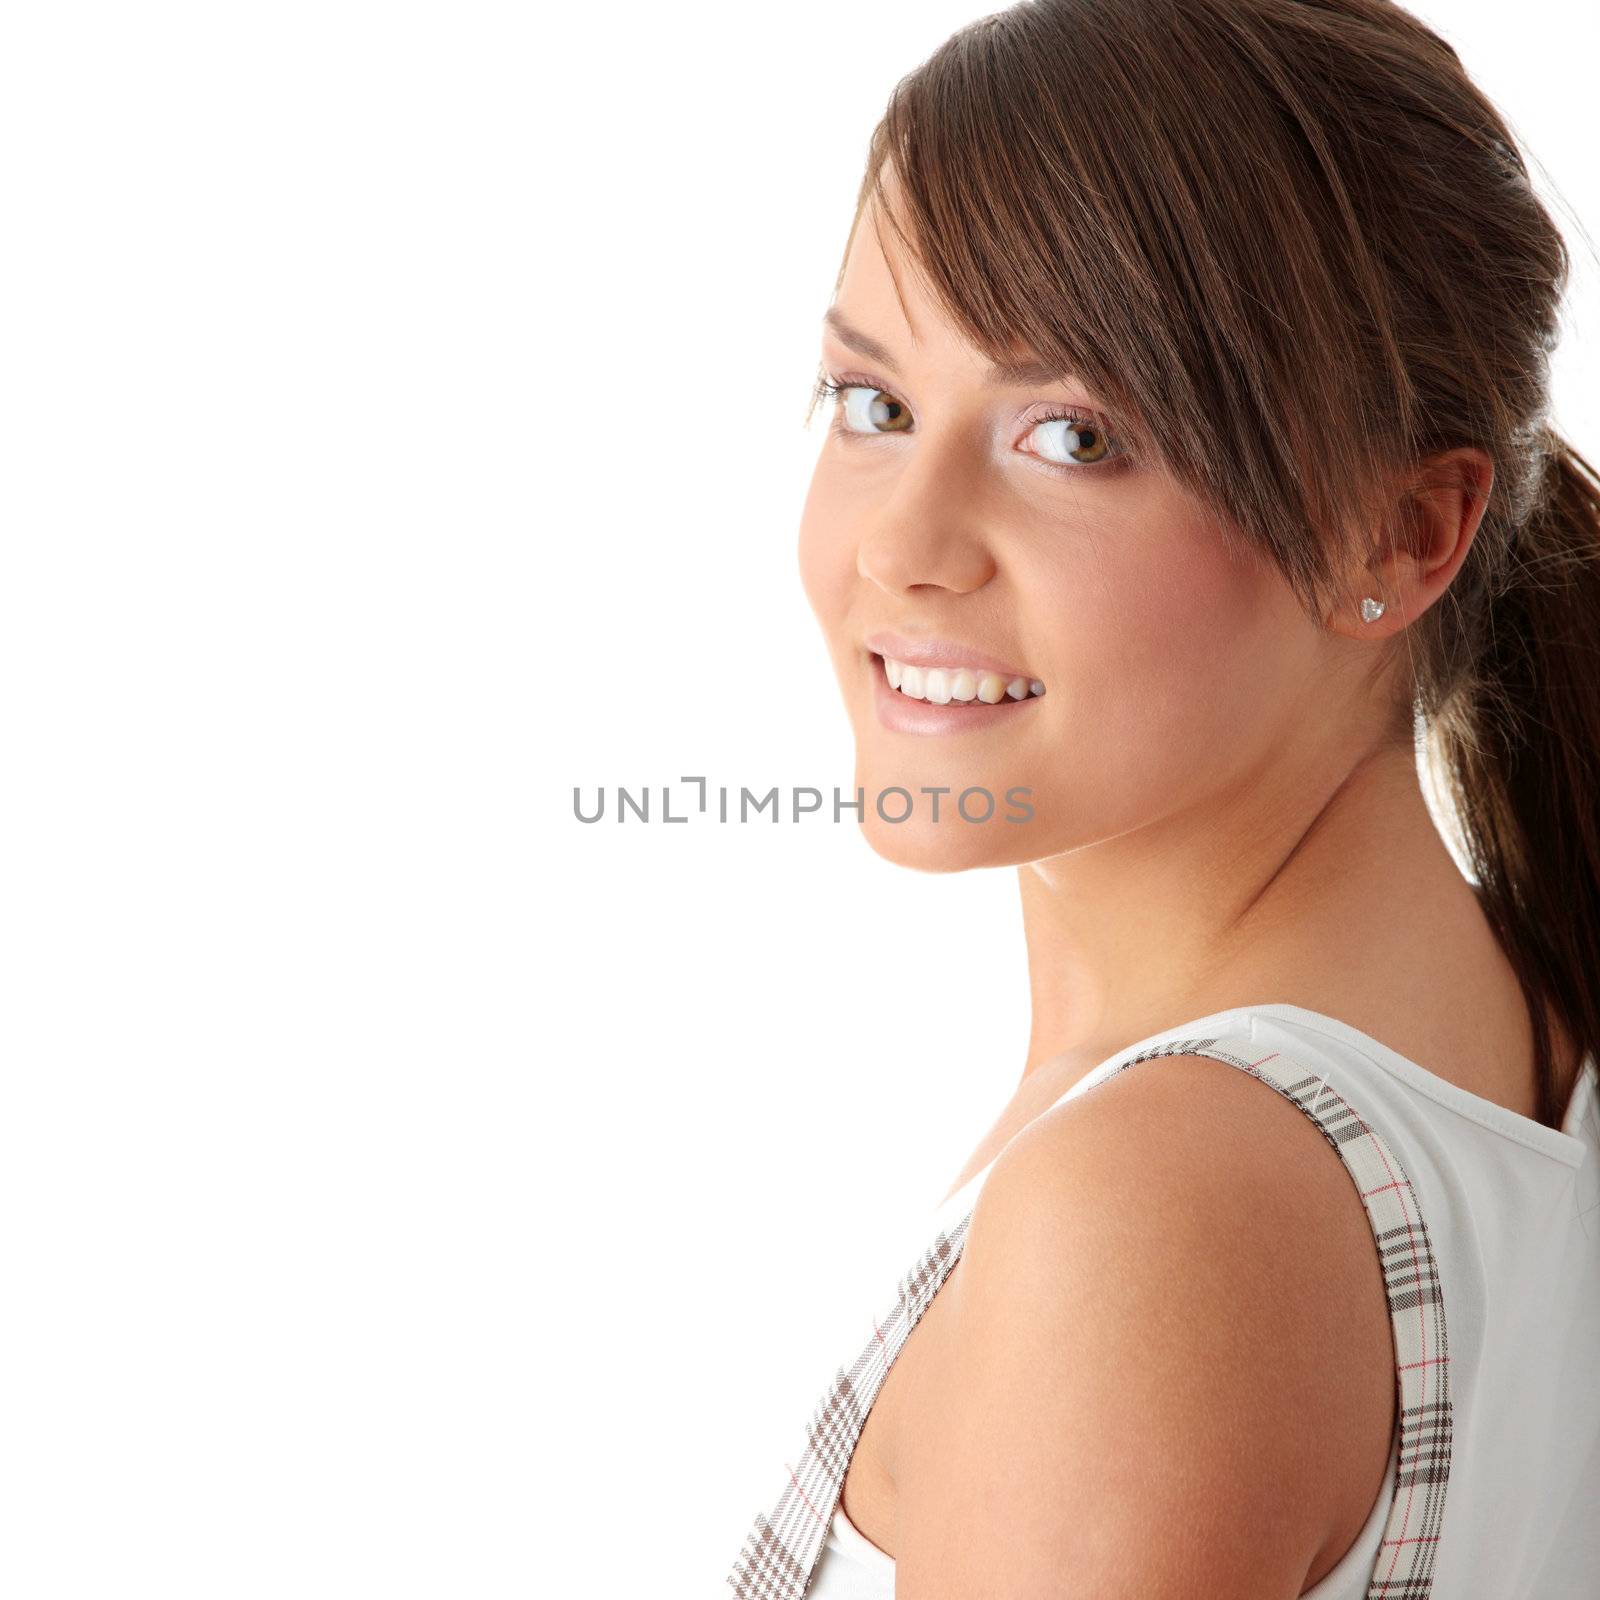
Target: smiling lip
{"x": 901, "y": 714}
{"x": 940, "y": 653}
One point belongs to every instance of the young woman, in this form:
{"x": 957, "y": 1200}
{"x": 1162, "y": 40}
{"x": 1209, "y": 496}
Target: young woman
{"x": 1189, "y": 457}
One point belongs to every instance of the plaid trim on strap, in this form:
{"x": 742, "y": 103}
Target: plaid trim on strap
{"x": 780, "y": 1552}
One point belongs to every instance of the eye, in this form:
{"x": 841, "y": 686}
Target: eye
{"x": 1074, "y": 440}
{"x": 865, "y": 409}
{"x": 1069, "y": 438}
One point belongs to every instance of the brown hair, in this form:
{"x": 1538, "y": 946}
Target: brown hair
{"x": 1298, "y": 228}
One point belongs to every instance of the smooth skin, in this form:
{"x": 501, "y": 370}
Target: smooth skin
{"x": 1163, "y": 1365}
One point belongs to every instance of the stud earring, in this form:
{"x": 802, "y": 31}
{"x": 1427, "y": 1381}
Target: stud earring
{"x": 1371, "y": 610}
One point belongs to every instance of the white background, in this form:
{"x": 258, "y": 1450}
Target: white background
{"x": 405, "y": 1189}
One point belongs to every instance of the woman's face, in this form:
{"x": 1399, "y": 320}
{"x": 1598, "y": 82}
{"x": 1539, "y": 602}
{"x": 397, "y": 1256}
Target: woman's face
{"x": 954, "y": 521}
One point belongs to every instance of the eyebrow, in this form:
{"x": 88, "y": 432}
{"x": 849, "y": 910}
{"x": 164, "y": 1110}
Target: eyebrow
{"x": 1028, "y": 369}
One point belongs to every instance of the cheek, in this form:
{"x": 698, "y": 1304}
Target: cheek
{"x": 1174, "y": 655}
{"x": 827, "y": 552}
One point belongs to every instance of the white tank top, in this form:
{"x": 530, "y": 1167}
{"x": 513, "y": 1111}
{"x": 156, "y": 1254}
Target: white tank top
{"x": 1488, "y": 1230}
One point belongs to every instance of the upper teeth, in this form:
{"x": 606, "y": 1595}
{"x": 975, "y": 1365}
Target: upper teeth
{"x": 941, "y": 685}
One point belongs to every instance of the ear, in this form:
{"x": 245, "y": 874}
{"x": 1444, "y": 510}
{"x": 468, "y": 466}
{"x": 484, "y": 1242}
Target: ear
{"x": 1429, "y": 518}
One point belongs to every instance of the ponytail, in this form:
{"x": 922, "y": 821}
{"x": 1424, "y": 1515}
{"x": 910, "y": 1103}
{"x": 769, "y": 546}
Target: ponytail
{"x": 1520, "y": 745}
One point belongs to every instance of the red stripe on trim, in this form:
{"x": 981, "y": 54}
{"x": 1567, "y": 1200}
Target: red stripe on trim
{"x": 801, "y": 1492}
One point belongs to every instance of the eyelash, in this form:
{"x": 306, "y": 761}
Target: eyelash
{"x": 832, "y": 388}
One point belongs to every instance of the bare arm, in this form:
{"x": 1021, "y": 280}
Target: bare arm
{"x": 1167, "y": 1370}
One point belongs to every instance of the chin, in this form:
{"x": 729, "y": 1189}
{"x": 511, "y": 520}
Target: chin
{"x": 1001, "y": 827}
{"x": 930, "y": 849}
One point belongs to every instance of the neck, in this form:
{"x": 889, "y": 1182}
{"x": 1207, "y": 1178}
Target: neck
{"x": 1235, "y": 901}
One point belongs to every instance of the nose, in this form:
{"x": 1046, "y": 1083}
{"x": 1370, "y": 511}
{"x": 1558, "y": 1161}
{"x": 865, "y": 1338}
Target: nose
{"x": 924, "y": 533}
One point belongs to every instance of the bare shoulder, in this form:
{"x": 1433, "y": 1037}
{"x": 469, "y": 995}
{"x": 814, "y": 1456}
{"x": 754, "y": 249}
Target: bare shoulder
{"x": 1166, "y": 1367}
